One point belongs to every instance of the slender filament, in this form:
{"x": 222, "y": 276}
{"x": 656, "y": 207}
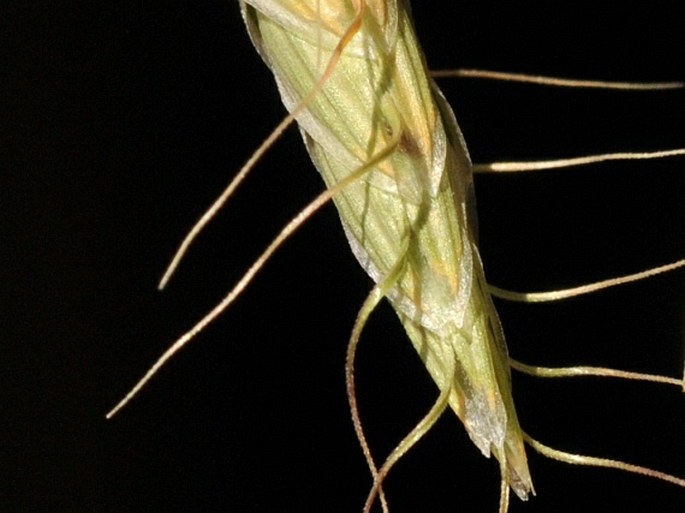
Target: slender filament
{"x": 556, "y": 81}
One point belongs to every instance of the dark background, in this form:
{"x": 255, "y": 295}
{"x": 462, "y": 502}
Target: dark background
{"x": 121, "y": 121}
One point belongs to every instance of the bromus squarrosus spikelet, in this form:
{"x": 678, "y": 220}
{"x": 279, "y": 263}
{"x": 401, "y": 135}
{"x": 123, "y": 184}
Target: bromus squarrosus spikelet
{"x": 394, "y": 161}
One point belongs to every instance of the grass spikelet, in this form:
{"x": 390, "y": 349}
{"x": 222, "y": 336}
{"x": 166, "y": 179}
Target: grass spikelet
{"x": 394, "y": 162}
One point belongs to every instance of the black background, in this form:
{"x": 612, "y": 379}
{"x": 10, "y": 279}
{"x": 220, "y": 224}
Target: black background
{"x": 122, "y": 121}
